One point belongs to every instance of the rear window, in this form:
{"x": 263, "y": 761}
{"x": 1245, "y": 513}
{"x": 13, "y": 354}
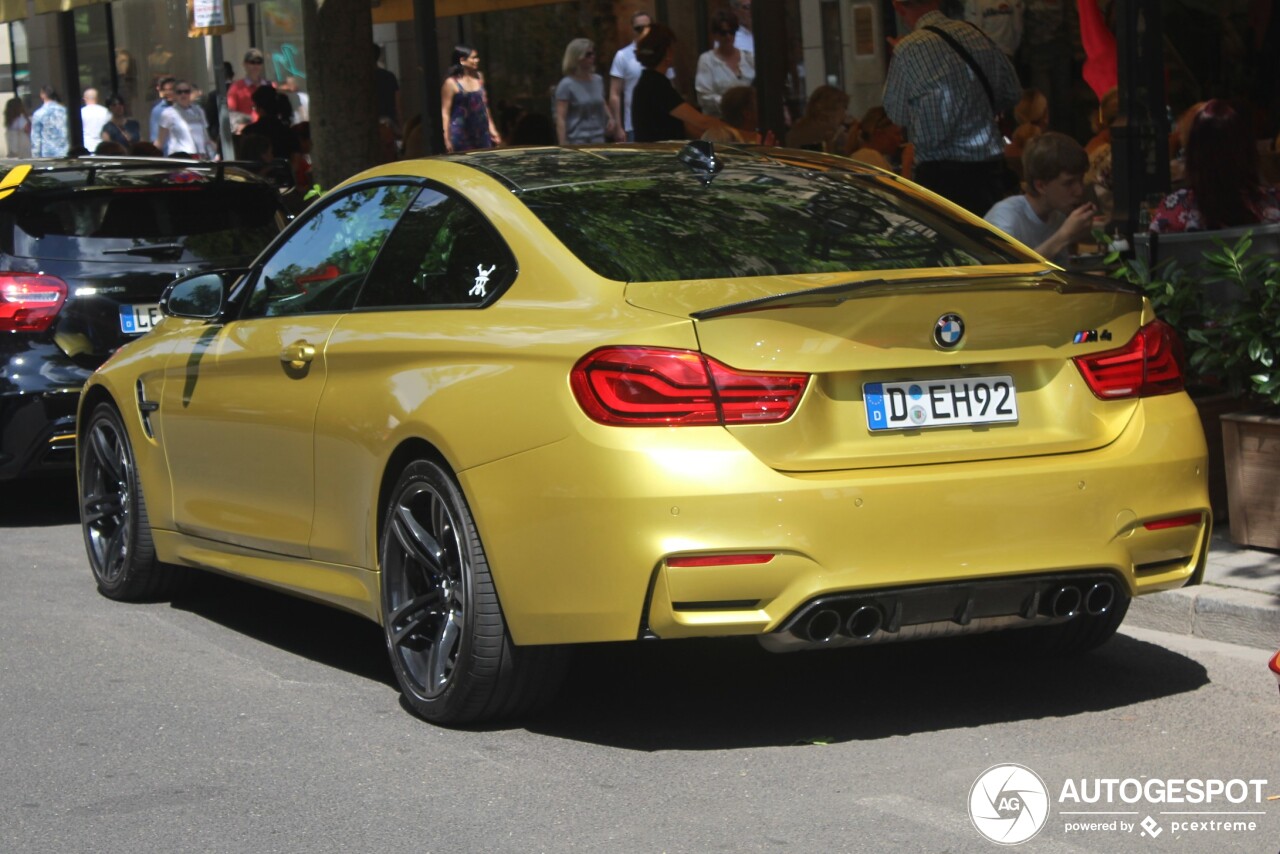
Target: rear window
{"x": 758, "y": 220}
{"x": 206, "y": 222}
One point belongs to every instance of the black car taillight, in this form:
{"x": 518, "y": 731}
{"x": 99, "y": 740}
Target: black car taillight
{"x": 30, "y": 301}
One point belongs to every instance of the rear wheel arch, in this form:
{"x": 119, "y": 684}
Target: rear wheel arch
{"x": 405, "y": 453}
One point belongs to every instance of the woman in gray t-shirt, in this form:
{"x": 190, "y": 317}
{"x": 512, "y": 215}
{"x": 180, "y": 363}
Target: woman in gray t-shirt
{"x": 582, "y": 115}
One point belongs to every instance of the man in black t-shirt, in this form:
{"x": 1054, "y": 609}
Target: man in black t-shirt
{"x": 657, "y": 110}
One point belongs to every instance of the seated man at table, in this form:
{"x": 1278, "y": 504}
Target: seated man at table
{"x": 1051, "y": 214}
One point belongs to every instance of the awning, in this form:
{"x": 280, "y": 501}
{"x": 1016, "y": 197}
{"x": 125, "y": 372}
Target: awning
{"x": 43, "y": 6}
{"x": 390, "y": 11}
{"x": 384, "y": 12}
{"x": 16, "y": 10}
{"x": 12, "y": 10}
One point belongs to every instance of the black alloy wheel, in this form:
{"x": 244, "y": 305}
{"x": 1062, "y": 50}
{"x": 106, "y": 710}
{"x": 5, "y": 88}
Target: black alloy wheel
{"x": 113, "y": 514}
{"x": 444, "y": 628}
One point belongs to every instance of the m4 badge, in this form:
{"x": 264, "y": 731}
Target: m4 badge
{"x": 1089, "y": 336}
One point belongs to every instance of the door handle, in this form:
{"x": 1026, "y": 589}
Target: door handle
{"x": 298, "y": 355}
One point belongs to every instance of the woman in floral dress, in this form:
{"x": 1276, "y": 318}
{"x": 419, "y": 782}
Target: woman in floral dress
{"x": 465, "y": 107}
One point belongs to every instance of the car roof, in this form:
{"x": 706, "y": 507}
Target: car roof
{"x": 72, "y": 173}
{"x": 531, "y": 169}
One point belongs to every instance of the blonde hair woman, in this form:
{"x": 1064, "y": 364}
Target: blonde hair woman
{"x": 582, "y": 114}
{"x": 822, "y": 126}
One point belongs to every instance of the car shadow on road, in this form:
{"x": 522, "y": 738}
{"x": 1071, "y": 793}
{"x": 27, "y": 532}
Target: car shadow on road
{"x": 730, "y": 693}
{"x": 39, "y": 502}
{"x": 720, "y": 694}
{"x": 318, "y": 632}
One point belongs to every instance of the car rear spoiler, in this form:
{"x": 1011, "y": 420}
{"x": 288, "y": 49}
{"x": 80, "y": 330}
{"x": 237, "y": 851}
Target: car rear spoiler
{"x": 836, "y": 294}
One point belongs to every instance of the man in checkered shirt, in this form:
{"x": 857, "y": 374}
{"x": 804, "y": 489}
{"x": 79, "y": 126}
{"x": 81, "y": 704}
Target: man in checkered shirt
{"x": 934, "y": 94}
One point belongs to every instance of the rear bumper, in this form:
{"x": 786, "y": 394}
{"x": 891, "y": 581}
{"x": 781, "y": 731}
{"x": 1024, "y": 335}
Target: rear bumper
{"x": 578, "y": 533}
{"x": 37, "y": 433}
{"x": 39, "y": 391}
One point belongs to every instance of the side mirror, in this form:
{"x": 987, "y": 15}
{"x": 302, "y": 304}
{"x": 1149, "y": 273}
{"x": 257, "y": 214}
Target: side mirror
{"x": 199, "y": 297}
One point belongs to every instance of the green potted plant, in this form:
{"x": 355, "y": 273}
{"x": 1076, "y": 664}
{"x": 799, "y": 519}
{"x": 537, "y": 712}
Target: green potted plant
{"x": 1179, "y": 297}
{"x": 1238, "y": 345}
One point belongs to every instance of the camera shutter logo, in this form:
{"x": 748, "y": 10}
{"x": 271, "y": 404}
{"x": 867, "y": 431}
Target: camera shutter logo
{"x": 1009, "y": 804}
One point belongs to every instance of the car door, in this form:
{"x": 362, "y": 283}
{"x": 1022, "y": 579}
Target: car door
{"x": 413, "y": 338}
{"x": 239, "y": 418}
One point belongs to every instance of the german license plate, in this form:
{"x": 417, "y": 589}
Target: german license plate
{"x": 136, "y": 319}
{"x": 940, "y": 403}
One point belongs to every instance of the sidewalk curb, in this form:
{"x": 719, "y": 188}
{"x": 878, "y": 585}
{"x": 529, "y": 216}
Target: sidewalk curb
{"x": 1211, "y": 611}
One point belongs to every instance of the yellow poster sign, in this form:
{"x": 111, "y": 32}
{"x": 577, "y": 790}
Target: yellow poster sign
{"x": 208, "y": 18}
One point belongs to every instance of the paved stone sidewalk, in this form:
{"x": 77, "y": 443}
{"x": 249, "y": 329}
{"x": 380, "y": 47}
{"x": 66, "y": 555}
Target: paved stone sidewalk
{"x": 1239, "y": 601}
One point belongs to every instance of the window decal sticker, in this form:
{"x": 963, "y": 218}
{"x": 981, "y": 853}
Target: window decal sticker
{"x": 482, "y": 280}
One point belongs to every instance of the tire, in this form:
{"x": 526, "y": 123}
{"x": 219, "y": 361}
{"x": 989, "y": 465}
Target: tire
{"x": 113, "y": 515}
{"x": 446, "y": 636}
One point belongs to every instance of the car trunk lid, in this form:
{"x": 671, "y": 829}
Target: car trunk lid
{"x": 1020, "y": 325}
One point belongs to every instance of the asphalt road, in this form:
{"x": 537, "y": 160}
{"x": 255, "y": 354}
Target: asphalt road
{"x": 238, "y": 720}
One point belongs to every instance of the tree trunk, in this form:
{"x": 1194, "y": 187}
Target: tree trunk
{"x": 340, "y": 63}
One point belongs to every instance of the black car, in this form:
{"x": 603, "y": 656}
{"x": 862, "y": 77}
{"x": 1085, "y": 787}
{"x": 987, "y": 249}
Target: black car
{"x": 87, "y": 246}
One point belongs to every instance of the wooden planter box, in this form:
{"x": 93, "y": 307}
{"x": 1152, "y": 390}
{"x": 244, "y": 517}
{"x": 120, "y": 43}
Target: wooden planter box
{"x": 1251, "y": 456}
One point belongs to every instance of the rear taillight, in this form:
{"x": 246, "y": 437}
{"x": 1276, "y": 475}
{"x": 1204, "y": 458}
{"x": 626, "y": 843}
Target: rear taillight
{"x": 1275, "y": 665}
{"x": 1150, "y": 364}
{"x": 648, "y": 386}
{"x": 29, "y": 302}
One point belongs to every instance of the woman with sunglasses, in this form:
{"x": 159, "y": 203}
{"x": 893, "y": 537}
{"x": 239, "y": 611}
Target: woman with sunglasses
{"x": 581, "y": 113}
{"x": 465, "y": 106}
{"x": 723, "y": 67}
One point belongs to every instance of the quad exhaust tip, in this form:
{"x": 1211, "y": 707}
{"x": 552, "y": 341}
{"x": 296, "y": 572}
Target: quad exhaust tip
{"x": 1099, "y": 599}
{"x": 1065, "y": 602}
{"x": 863, "y": 621}
{"x": 825, "y": 624}
{"x": 822, "y": 625}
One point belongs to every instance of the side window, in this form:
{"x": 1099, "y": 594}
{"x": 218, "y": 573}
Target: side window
{"x": 443, "y": 254}
{"x": 323, "y": 263}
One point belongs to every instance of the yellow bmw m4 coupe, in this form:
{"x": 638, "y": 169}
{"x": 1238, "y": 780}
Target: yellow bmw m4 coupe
{"x": 506, "y": 402}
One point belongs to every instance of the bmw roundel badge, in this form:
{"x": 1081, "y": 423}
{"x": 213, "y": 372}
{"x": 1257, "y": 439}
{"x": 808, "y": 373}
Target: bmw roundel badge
{"x": 948, "y": 331}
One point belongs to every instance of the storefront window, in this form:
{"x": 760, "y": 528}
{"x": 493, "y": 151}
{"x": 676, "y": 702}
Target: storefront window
{"x": 280, "y": 27}
{"x": 19, "y": 68}
{"x": 150, "y": 43}
{"x": 93, "y": 50}
{"x": 521, "y": 49}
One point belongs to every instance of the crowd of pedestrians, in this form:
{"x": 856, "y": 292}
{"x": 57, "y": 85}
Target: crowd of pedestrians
{"x": 268, "y": 122}
{"x": 957, "y": 116}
